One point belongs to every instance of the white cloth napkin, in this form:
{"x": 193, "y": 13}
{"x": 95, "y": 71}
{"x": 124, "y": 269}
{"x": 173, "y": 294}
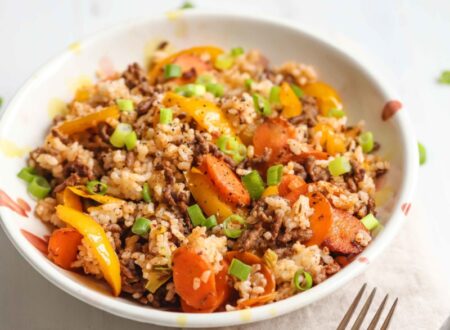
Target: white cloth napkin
{"x": 406, "y": 269}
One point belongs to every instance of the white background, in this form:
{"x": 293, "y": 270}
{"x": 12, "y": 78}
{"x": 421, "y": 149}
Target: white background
{"x": 410, "y": 38}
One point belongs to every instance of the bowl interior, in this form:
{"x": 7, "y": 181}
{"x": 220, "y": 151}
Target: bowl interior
{"x": 27, "y": 119}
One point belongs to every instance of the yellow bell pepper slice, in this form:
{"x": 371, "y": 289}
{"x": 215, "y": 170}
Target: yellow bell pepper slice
{"x": 98, "y": 241}
{"x": 327, "y": 97}
{"x": 291, "y": 104}
{"x": 72, "y": 200}
{"x": 102, "y": 199}
{"x": 333, "y": 143}
{"x": 208, "y": 115}
{"x": 83, "y": 123}
{"x": 157, "y": 69}
{"x": 270, "y": 191}
{"x": 206, "y": 195}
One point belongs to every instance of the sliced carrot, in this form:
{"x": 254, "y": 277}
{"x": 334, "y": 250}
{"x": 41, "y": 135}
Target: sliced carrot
{"x": 341, "y": 236}
{"x": 321, "y": 220}
{"x": 291, "y": 187}
{"x": 257, "y": 301}
{"x": 274, "y": 134}
{"x": 63, "y": 246}
{"x": 188, "y": 267}
{"x": 187, "y": 62}
{"x": 228, "y": 184}
{"x": 321, "y": 155}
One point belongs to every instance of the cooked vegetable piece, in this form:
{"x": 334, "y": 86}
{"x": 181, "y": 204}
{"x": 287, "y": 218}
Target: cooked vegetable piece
{"x": 71, "y": 200}
{"x": 92, "y": 120}
{"x": 370, "y": 222}
{"x": 291, "y": 187}
{"x": 302, "y": 280}
{"x": 270, "y": 191}
{"x": 262, "y": 106}
{"x": 422, "y": 154}
{"x": 236, "y": 51}
{"x": 336, "y": 113}
{"x": 366, "y": 141}
{"x": 274, "y": 95}
{"x": 248, "y": 83}
{"x": 339, "y": 166}
{"x": 341, "y": 236}
{"x": 63, "y": 246}
{"x": 155, "y": 279}
{"x": 27, "y": 174}
{"x": 131, "y": 140}
{"x": 190, "y": 90}
{"x": 231, "y": 146}
{"x": 291, "y": 104}
{"x": 102, "y": 199}
{"x": 233, "y": 226}
{"x": 196, "y": 215}
{"x": 141, "y": 227}
{"x": 146, "y": 193}
{"x": 39, "y": 187}
{"x": 210, "y": 222}
{"x": 215, "y": 89}
{"x": 96, "y": 237}
{"x": 326, "y": 96}
{"x": 225, "y": 180}
{"x": 257, "y": 301}
{"x": 297, "y": 90}
{"x": 96, "y": 187}
{"x": 239, "y": 269}
{"x": 165, "y": 116}
{"x": 270, "y": 258}
{"x": 188, "y": 267}
{"x": 125, "y": 105}
{"x": 321, "y": 220}
{"x": 172, "y": 71}
{"x": 254, "y": 184}
{"x": 118, "y": 138}
{"x": 224, "y": 62}
{"x": 274, "y": 174}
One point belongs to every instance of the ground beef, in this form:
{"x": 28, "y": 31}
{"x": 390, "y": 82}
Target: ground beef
{"x": 202, "y": 147}
{"x": 315, "y": 172}
{"x": 136, "y": 79}
{"x": 355, "y": 176}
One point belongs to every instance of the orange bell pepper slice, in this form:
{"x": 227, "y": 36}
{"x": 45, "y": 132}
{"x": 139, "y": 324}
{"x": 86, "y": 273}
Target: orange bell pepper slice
{"x": 98, "y": 241}
{"x": 157, "y": 69}
{"x": 326, "y": 96}
{"x": 83, "y": 123}
{"x": 102, "y": 199}
{"x": 291, "y": 104}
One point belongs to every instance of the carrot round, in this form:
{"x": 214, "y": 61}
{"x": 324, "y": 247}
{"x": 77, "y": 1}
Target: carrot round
{"x": 188, "y": 268}
{"x": 63, "y": 246}
{"x": 291, "y": 187}
{"x": 226, "y": 181}
{"x": 189, "y": 62}
{"x": 321, "y": 220}
{"x": 341, "y": 236}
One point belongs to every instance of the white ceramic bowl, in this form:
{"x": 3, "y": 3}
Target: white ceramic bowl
{"x": 25, "y": 123}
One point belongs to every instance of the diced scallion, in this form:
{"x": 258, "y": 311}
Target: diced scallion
{"x": 339, "y": 166}
{"x": 234, "y": 225}
{"x": 172, "y": 71}
{"x": 125, "y": 104}
{"x": 27, "y": 174}
{"x": 146, "y": 193}
{"x": 189, "y": 90}
{"x": 131, "y": 140}
{"x": 230, "y": 146}
{"x": 237, "y": 51}
{"x": 187, "y": 5}
{"x": 39, "y": 187}
{"x": 254, "y": 184}
{"x": 248, "y": 83}
{"x": 224, "y": 62}
{"x": 119, "y": 135}
{"x": 215, "y": 89}
{"x": 274, "y": 96}
{"x": 239, "y": 270}
{"x": 196, "y": 215}
{"x": 262, "y": 106}
{"x": 366, "y": 141}
{"x": 297, "y": 90}
{"x": 96, "y": 187}
{"x": 210, "y": 222}
{"x": 370, "y": 222}
{"x": 302, "y": 280}
{"x": 422, "y": 153}
{"x": 204, "y": 79}
{"x": 336, "y": 113}
{"x": 165, "y": 116}
{"x": 274, "y": 174}
{"x": 141, "y": 227}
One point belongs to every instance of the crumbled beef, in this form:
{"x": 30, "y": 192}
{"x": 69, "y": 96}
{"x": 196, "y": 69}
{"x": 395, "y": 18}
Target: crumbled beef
{"x": 315, "y": 172}
{"x": 380, "y": 172}
{"x": 136, "y": 79}
{"x": 189, "y": 74}
{"x": 104, "y": 131}
{"x": 202, "y": 147}
{"x": 144, "y": 106}
{"x": 355, "y": 176}
{"x": 376, "y": 147}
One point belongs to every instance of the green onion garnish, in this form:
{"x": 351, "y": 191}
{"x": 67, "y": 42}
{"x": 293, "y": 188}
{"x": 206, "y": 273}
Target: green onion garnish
{"x": 254, "y": 184}
{"x": 366, "y": 141}
{"x": 302, "y": 280}
{"x": 146, "y": 193}
{"x": 239, "y": 269}
{"x": 215, "y": 89}
{"x": 210, "y": 222}
{"x": 27, "y": 174}
{"x": 262, "y": 106}
{"x": 230, "y": 146}
{"x": 370, "y": 222}
{"x": 165, "y": 116}
{"x": 204, "y": 79}
{"x": 131, "y": 140}
{"x": 422, "y": 153}
{"x": 234, "y": 226}
{"x": 196, "y": 215}
{"x": 189, "y": 90}
{"x": 223, "y": 62}
{"x": 39, "y": 187}
{"x": 274, "y": 174}
{"x": 274, "y": 96}
{"x": 445, "y": 77}
{"x": 172, "y": 71}
{"x": 141, "y": 227}
{"x": 336, "y": 113}
{"x": 339, "y": 166}
{"x": 96, "y": 187}
{"x": 248, "y": 83}
{"x": 125, "y": 104}
{"x": 297, "y": 90}
{"x": 237, "y": 51}
{"x": 187, "y": 5}
{"x": 119, "y": 135}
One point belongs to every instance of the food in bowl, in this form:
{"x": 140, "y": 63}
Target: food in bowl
{"x": 210, "y": 182}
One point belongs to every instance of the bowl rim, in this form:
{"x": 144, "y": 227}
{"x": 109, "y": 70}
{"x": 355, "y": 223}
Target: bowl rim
{"x": 134, "y": 311}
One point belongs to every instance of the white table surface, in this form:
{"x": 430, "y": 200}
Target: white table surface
{"x": 410, "y": 38}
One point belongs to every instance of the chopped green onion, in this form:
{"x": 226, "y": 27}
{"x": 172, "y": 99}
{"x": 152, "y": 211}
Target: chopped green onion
{"x": 156, "y": 278}
{"x": 210, "y": 222}
{"x": 233, "y": 226}
{"x": 196, "y": 215}
{"x": 248, "y": 83}
{"x": 297, "y": 90}
{"x": 254, "y": 184}
{"x": 336, "y": 113}
{"x": 187, "y": 5}
{"x": 131, "y": 140}
{"x": 302, "y": 280}
{"x": 370, "y": 222}
{"x": 141, "y": 227}
{"x": 237, "y": 51}
{"x": 223, "y": 62}
{"x": 366, "y": 142}
{"x": 125, "y": 104}
{"x": 261, "y": 105}
{"x": 445, "y": 77}
{"x": 339, "y": 166}
{"x": 165, "y": 116}
{"x": 39, "y": 187}
{"x": 204, "y": 79}
{"x": 215, "y": 89}
{"x": 146, "y": 193}
{"x": 172, "y": 71}
{"x": 122, "y": 130}
{"x": 230, "y": 146}
{"x": 239, "y": 269}
{"x": 422, "y": 153}
{"x": 274, "y": 174}
{"x": 96, "y": 187}
{"x": 274, "y": 96}
{"x": 27, "y": 174}
{"x": 189, "y": 90}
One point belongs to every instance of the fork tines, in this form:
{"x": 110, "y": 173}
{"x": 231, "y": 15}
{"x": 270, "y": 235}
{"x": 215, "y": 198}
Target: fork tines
{"x": 362, "y": 314}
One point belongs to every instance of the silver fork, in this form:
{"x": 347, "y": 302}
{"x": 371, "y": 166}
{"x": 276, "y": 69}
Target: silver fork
{"x": 365, "y": 309}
